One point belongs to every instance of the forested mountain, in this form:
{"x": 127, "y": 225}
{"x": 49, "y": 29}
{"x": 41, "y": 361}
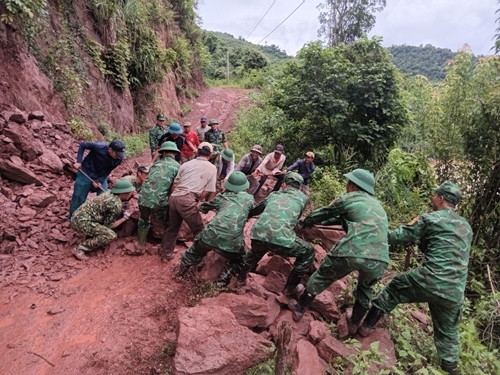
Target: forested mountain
{"x": 425, "y": 60}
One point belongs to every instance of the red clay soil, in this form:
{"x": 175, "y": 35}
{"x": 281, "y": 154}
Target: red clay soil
{"x": 113, "y": 314}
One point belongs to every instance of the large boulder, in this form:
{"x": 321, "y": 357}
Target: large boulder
{"x": 214, "y": 264}
{"x": 250, "y": 311}
{"x": 270, "y": 263}
{"x": 306, "y": 360}
{"x": 50, "y": 161}
{"x": 324, "y": 303}
{"x": 385, "y": 348}
{"x": 23, "y": 140}
{"x": 40, "y": 198}
{"x": 18, "y": 173}
{"x": 211, "y": 341}
{"x": 327, "y": 235}
{"x": 274, "y": 282}
{"x": 318, "y": 331}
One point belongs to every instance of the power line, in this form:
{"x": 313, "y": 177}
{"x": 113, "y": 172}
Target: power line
{"x": 282, "y": 22}
{"x": 261, "y": 20}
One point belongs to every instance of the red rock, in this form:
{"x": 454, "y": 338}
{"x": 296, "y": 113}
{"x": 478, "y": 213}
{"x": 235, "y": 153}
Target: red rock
{"x": 306, "y": 360}
{"x": 385, "y": 348}
{"x": 324, "y": 303}
{"x": 342, "y": 325}
{"x": 17, "y": 117}
{"x": 274, "y": 309}
{"x": 254, "y": 286}
{"x": 274, "y": 282}
{"x": 41, "y": 198}
{"x": 273, "y": 263}
{"x": 327, "y": 235}
{"x": 330, "y": 348}
{"x": 300, "y": 328}
{"x": 25, "y": 214}
{"x": 249, "y": 310}
{"x": 51, "y": 161}
{"x": 420, "y": 316}
{"x": 36, "y": 115}
{"x": 184, "y": 233}
{"x": 214, "y": 264}
{"x": 320, "y": 254}
{"x": 24, "y": 141}
{"x": 21, "y": 174}
{"x": 210, "y": 341}
{"x": 318, "y": 331}
{"x": 17, "y": 160}
{"x": 337, "y": 288}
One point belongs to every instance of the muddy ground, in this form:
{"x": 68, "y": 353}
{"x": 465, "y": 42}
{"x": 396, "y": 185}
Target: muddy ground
{"x": 114, "y": 314}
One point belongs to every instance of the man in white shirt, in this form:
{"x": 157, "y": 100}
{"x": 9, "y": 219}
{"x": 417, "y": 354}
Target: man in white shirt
{"x": 270, "y": 166}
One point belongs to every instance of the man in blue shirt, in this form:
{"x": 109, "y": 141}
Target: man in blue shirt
{"x": 305, "y": 167}
{"x": 97, "y": 165}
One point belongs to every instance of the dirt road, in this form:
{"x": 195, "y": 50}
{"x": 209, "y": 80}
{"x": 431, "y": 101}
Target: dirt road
{"x": 113, "y": 314}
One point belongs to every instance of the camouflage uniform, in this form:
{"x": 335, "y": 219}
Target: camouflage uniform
{"x": 274, "y": 230}
{"x": 364, "y": 248}
{"x": 445, "y": 239}
{"x": 219, "y": 140}
{"x": 154, "y": 137}
{"x": 135, "y": 183}
{"x": 224, "y": 234}
{"x": 155, "y": 192}
{"x": 95, "y": 217}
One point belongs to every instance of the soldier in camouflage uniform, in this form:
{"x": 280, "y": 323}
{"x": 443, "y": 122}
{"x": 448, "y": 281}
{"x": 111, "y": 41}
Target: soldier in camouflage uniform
{"x": 138, "y": 179}
{"x": 215, "y": 136}
{"x": 224, "y": 234}
{"x": 445, "y": 239}
{"x": 96, "y": 218}
{"x": 155, "y": 193}
{"x": 364, "y": 248}
{"x": 156, "y": 133}
{"x": 274, "y": 231}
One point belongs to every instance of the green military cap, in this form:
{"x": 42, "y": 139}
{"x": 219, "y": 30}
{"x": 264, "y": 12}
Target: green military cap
{"x": 363, "y": 179}
{"x": 161, "y": 117}
{"x": 122, "y": 186}
{"x": 293, "y": 178}
{"x": 227, "y": 154}
{"x": 169, "y": 146}
{"x": 213, "y": 122}
{"x": 449, "y": 191}
{"x": 236, "y": 182}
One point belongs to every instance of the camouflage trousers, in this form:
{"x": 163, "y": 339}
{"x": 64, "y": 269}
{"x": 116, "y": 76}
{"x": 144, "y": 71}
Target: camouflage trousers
{"x": 98, "y": 235}
{"x": 199, "y": 249}
{"x": 302, "y": 251}
{"x": 151, "y": 214}
{"x": 334, "y": 268}
{"x": 445, "y": 314}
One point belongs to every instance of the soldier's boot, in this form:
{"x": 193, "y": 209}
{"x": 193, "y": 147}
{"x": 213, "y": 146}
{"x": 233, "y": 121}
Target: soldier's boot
{"x": 358, "y": 312}
{"x": 79, "y": 252}
{"x": 292, "y": 286}
{"x": 142, "y": 234}
{"x": 449, "y": 367}
{"x": 182, "y": 270}
{"x": 371, "y": 319}
{"x": 242, "y": 276}
{"x": 225, "y": 277}
{"x": 298, "y": 308}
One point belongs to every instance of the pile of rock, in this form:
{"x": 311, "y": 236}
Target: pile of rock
{"x": 229, "y": 333}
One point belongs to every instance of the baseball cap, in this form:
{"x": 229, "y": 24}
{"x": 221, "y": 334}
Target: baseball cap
{"x": 203, "y": 119}
{"x": 279, "y": 149}
{"x": 119, "y": 147}
{"x": 449, "y": 191}
{"x": 310, "y": 154}
{"x": 207, "y": 145}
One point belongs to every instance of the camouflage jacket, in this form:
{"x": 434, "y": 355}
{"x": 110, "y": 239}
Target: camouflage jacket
{"x": 225, "y": 231}
{"x": 135, "y": 183}
{"x": 445, "y": 239}
{"x": 211, "y": 138}
{"x": 102, "y": 209}
{"x": 280, "y": 212}
{"x": 155, "y": 191}
{"x": 154, "y": 136}
{"x": 364, "y": 221}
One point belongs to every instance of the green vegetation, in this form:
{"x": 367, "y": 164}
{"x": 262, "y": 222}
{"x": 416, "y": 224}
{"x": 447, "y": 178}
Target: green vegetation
{"x": 23, "y": 10}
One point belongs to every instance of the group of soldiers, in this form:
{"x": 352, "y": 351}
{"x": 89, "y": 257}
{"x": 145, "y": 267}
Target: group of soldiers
{"x": 177, "y": 192}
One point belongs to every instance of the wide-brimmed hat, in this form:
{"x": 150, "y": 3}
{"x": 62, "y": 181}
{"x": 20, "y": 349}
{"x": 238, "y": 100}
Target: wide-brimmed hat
{"x": 257, "y": 148}
{"x": 363, "y": 179}
{"x": 168, "y": 146}
{"x": 213, "y": 122}
{"x": 449, "y": 191}
{"x": 119, "y": 147}
{"x": 236, "y": 182}
{"x": 227, "y": 154}
{"x": 174, "y": 128}
{"x": 294, "y": 179}
{"x": 122, "y": 186}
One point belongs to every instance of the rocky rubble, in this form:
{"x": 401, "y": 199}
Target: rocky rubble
{"x": 207, "y": 343}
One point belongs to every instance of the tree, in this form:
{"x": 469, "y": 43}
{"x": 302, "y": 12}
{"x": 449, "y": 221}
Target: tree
{"x": 344, "y": 21}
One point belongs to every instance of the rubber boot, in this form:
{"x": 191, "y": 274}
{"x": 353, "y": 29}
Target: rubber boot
{"x": 292, "y": 286}
{"x": 242, "y": 276}
{"x": 298, "y": 308}
{"x": 449, "y": 367}
{"x": 371, "y": 319}
{"x": 358, "y": 312}
{"x": 142, "y": 233}
{"x": 225, "y": 277}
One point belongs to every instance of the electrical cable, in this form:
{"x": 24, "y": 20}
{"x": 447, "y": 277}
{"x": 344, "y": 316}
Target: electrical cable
{"x": 282, "y": 22}
{"x": 261, "y": 19}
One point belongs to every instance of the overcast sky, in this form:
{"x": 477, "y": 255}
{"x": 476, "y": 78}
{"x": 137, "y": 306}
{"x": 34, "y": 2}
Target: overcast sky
{"x": 442, "y": 23}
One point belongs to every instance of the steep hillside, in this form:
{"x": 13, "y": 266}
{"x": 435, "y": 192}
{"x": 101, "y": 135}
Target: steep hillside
{"x": 100, "y": 64}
